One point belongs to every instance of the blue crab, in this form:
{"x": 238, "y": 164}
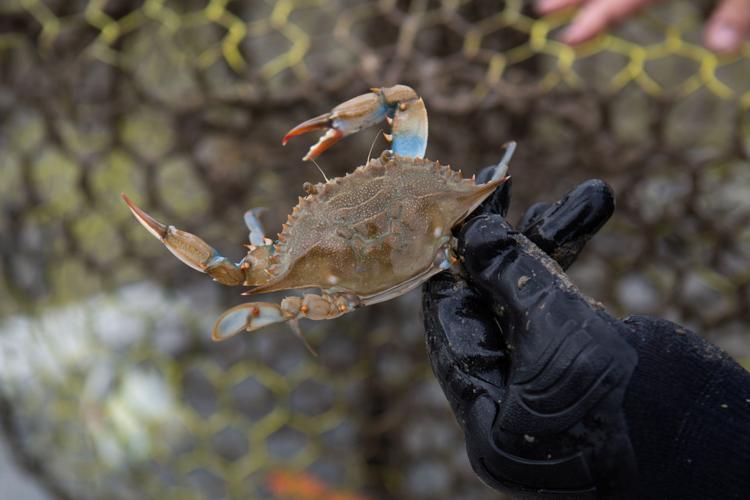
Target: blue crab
{"x": 364, "y": 238}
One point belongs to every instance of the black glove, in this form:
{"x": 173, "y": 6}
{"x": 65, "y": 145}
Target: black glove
{"x": 543, "y": 381}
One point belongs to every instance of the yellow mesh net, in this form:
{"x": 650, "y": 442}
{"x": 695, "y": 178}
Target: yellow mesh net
{"x": 110, "y": 385}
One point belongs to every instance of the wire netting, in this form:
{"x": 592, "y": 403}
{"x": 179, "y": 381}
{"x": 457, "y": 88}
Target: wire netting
{"x": 110, "y": 386}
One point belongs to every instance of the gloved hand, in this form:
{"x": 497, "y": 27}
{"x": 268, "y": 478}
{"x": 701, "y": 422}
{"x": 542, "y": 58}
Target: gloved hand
{"x": 556, "y": 397}
{"x": 534, "y": 371}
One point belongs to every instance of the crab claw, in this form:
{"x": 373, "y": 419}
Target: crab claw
{"x": 247, "y": 318}
{"x": 331, "y": 137}
{"x": 400, "y": 105}
{"x": 189, "y": 248}
{"x": 345, "y": 119}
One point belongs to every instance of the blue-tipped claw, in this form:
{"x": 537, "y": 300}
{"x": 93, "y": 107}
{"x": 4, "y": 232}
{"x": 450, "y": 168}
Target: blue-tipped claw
{"x": 247, "y": 318}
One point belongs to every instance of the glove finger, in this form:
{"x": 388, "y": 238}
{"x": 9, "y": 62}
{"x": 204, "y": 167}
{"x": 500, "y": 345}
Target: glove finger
{"x": 563, "y": 228}
{"x": 521, "y": 280}
{"x": 533, "y": 213}
{"x": 498, "y": 202}
{"x": 466, "y": 348}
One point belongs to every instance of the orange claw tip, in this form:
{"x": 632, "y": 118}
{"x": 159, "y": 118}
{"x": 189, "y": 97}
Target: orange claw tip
{"x": 153, "y": 226}
{"x": 317, "y": 123}
{"x": 331, "y": 137}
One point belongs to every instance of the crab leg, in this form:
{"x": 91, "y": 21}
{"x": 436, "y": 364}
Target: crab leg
{"x": 502, "y": 168}
{"x": 190, "y": 249}
{"x": 257, "y": 235}
{"x": 255, "y": 315}
{"x": 247, "y": 318}
{"x": 399, "y": 105}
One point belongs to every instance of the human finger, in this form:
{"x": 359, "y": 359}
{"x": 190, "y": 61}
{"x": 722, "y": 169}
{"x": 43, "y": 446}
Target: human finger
{"x": 597, "y": 15}
{"x": 548, "y": 6}
{"x": 728, "y": 26}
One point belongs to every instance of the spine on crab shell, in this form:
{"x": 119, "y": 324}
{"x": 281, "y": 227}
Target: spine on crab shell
{"x": 376, "y": 168}
{"x": 281, "y": 239}
{"x": 310, "y": 188}
{"x": 447, "y": 172}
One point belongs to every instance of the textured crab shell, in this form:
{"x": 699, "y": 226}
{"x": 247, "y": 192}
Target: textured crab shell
{"x": 379, "y": 226}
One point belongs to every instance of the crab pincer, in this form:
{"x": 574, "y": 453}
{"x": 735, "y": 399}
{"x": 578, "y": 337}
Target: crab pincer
{"x": 399, "y": 105}
{"x": 189, "y": 248}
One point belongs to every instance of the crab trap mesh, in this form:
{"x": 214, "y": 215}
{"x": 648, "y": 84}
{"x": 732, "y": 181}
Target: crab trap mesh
{"x": 111, "y": 387}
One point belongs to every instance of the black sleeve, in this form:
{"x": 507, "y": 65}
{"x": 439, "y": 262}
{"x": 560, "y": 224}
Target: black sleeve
{"x": 687, "y": 408}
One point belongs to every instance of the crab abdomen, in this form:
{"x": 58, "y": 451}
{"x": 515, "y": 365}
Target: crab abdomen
{"x": 378, "y": 227}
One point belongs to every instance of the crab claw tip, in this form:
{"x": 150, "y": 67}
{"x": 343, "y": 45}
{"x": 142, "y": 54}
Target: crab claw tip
{"x": 153, "y": 226}
{"x": 317, "y": 123}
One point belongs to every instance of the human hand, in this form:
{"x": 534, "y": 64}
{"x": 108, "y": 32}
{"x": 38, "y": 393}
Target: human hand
{"x": 534, "y": 371}
{"x": 725, "y": 31}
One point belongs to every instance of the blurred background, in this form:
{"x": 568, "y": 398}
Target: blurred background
{"x": 109, "y": 384}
